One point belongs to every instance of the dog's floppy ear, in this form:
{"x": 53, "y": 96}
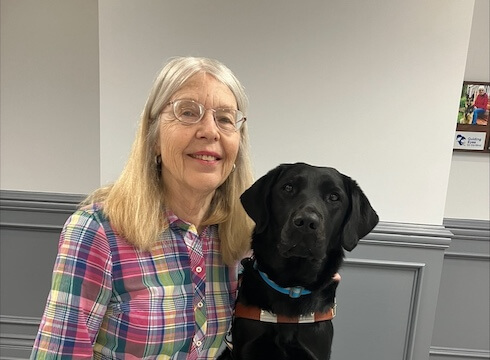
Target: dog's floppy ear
{"x": 361, "y": 218}
{"x": 256, "y": 198}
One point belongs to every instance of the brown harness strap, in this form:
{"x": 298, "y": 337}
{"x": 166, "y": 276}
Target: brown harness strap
{"x": 255, "y": 313}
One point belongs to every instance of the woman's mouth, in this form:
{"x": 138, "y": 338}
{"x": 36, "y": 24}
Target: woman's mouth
{"x": 204, "y": 157}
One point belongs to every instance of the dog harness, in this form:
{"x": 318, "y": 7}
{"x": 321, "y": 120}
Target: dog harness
{"x": 255, "y": 313}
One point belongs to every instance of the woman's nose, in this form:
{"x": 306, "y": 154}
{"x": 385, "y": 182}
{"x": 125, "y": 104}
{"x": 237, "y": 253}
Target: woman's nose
{"x": 207, "y": 126}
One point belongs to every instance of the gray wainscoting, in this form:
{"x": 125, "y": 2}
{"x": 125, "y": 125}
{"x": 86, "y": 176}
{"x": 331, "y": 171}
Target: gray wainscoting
{"x": 30, "y": 224}
{"x": 462, "y": 325}
{"x": 388, "y": 294}
{"x": 386, "y": 301}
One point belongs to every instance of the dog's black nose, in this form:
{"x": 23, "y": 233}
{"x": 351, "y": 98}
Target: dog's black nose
{"x": 306, "y": 221}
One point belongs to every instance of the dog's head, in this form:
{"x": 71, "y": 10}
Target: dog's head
{"x": 306, "y": 211}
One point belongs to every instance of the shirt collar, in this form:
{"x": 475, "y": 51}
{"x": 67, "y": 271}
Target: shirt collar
{"x": 176, "y": 223}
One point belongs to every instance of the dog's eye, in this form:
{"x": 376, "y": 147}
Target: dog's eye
{"x": 288, "y": 188}
{"x": 333, "y": 197}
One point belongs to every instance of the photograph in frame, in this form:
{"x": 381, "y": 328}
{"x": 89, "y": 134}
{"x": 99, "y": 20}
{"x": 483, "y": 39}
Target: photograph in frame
{"x": 473, "y": 129}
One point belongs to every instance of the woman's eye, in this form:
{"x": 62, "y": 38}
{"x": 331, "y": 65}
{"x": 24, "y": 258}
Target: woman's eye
{"x": 188, "y": 113}
{"x": 226, "y": 120}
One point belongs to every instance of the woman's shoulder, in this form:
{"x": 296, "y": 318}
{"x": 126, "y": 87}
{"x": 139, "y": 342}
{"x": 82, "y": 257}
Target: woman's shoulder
{"x": 93, "y": 210}
{"x": 86, "y": 235}
{"x": 88, "y": 216}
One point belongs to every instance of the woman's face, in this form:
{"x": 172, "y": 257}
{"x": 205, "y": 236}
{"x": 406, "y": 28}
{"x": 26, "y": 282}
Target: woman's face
{"x": 197, "y": 158}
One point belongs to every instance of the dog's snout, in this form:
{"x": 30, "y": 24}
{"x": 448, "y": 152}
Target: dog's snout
{"x": 306, "y": 221}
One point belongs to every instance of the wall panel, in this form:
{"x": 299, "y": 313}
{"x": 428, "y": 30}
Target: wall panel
{"x": 377, "y": 295}
{"x": 30, "y": 224}
{"x": 462, "y": 325}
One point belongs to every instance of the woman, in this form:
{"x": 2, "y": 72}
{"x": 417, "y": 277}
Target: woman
{"x": 480, "y": 104}
{"x": 146, "y": 268}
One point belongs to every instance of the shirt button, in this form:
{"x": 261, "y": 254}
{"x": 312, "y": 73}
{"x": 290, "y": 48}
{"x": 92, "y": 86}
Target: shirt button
{"x": 200, "y": 304}
{"x": 198, "y": 343}
{"x": 198, "y": 269}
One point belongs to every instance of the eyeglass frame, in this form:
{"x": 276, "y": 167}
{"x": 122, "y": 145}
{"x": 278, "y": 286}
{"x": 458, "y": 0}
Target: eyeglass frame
{"x": 237, "y": 126}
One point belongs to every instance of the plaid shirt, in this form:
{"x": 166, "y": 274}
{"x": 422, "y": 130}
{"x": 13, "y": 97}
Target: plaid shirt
{"x": 109, "y": 300}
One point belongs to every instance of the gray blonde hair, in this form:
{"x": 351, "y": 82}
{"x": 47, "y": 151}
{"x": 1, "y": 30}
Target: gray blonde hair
{"x": 134, "y": 203}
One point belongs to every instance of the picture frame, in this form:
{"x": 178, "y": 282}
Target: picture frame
{"x": 473, "y": 122}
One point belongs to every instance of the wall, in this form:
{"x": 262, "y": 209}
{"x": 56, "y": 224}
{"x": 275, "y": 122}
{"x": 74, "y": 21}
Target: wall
{"x": 349, "y": 84}
{"x": 49, "y": 95}
{"x": 469, "y": 190}
{"x": 466, "y": 266}
{"x": 50, "y": 56}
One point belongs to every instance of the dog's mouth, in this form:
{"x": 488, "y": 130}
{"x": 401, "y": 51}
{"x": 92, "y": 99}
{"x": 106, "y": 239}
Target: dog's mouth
{"x": 300, "y": 250}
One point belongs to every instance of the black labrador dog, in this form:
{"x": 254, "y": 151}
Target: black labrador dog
{"x": 305, "y": 217}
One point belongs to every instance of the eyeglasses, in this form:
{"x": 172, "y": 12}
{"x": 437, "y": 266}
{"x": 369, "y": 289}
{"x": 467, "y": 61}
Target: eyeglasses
{"x": 191, "y": 112}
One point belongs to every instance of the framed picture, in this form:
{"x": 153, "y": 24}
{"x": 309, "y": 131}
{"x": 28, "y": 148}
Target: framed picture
{"x": 473, "y": 128}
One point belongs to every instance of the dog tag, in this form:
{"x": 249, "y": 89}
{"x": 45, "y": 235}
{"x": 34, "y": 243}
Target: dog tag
{"x": 295, "y": 292}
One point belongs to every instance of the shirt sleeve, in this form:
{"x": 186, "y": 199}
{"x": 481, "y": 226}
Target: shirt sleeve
{"x": 80, "y": 291}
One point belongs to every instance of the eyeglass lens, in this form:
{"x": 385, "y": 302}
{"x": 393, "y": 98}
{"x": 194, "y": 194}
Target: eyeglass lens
{"x": 191, "y": 112}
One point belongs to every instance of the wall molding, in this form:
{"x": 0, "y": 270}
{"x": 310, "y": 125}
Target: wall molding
{"x": 19, "y": 320}
{"x": 409, "y": 235}
{"x": 436, "y": 351}
{"x": 466, "y": 256}
{"x": 39, "y": 201}
{"x": 385, "y": 233}
{"x": 32, "y": 211}
{"x": 18, "y": 334}
{"x": 466, "y": 231}
{"x": 469, "y": 227}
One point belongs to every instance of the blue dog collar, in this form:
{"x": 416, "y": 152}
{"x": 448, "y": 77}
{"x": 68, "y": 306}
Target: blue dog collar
{"x": 293, "y": 292}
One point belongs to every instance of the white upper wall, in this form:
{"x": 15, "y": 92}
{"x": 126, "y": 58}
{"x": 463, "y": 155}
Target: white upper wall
{"x": 371, "y": 88}
{"x": 468, "y": 195}
{"x": 49, "y": 95}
